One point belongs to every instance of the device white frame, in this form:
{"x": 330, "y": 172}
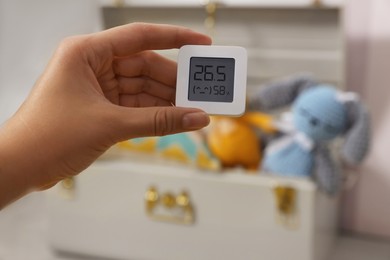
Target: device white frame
{"x": 234, "y": 108}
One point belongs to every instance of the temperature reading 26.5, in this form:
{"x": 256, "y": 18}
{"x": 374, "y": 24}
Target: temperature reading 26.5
{"x": 207, "y": 73}
{"x": 211, "y": 79}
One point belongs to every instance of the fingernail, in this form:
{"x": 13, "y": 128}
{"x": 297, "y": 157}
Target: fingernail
{"x": 195, "y": 120}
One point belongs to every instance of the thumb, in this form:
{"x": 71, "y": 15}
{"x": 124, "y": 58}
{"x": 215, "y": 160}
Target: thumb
{"x": 158, "y": 121}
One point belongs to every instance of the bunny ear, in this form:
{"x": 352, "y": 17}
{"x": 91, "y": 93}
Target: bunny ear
{"x": 326, "y": 174}
{"x": 280, "y": 93}
{"x": 357, "y": 141}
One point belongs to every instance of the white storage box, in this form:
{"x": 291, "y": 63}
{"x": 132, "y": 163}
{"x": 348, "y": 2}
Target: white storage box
{"x": 108, "y": 213}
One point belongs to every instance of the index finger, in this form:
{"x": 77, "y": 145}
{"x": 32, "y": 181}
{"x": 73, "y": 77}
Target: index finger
{"x": 131, "y": 38}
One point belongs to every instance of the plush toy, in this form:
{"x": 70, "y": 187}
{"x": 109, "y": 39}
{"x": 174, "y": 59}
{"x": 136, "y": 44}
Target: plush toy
{"x": 235, "y": 141}
{"x": 319, "y": 114}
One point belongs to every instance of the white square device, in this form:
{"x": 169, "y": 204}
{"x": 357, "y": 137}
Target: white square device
{"x": 212, "y": 78}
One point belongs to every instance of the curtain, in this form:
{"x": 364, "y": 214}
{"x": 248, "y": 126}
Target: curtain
{"x": 366, "y": 207}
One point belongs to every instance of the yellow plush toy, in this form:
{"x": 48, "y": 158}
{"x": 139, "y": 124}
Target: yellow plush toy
{"x": 234, "y": 140}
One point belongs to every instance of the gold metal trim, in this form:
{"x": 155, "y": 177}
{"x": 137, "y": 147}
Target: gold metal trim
{"x": 317, "y": 3}
{"x": 211, "y": 18}
{"x": 286, "y": 206}
{"x": 68, "y": 188}
{"x": 168, "y": 207}
{"x": 119, "y": 3}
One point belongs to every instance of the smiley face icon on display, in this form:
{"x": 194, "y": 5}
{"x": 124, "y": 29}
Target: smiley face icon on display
{"x": 212, "y": 78}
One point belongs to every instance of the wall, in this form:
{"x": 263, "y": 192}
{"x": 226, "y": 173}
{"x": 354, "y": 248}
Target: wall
{"x": 29, "y": 33}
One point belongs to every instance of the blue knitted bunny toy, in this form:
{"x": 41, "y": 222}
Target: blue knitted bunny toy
{"x": 319, "y": 114}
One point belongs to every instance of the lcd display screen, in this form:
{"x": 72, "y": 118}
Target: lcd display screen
{"x": 211, "y": 79}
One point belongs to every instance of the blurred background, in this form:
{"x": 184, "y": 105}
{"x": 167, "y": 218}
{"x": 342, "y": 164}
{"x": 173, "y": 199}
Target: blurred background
{"x": 343, "y": 43}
